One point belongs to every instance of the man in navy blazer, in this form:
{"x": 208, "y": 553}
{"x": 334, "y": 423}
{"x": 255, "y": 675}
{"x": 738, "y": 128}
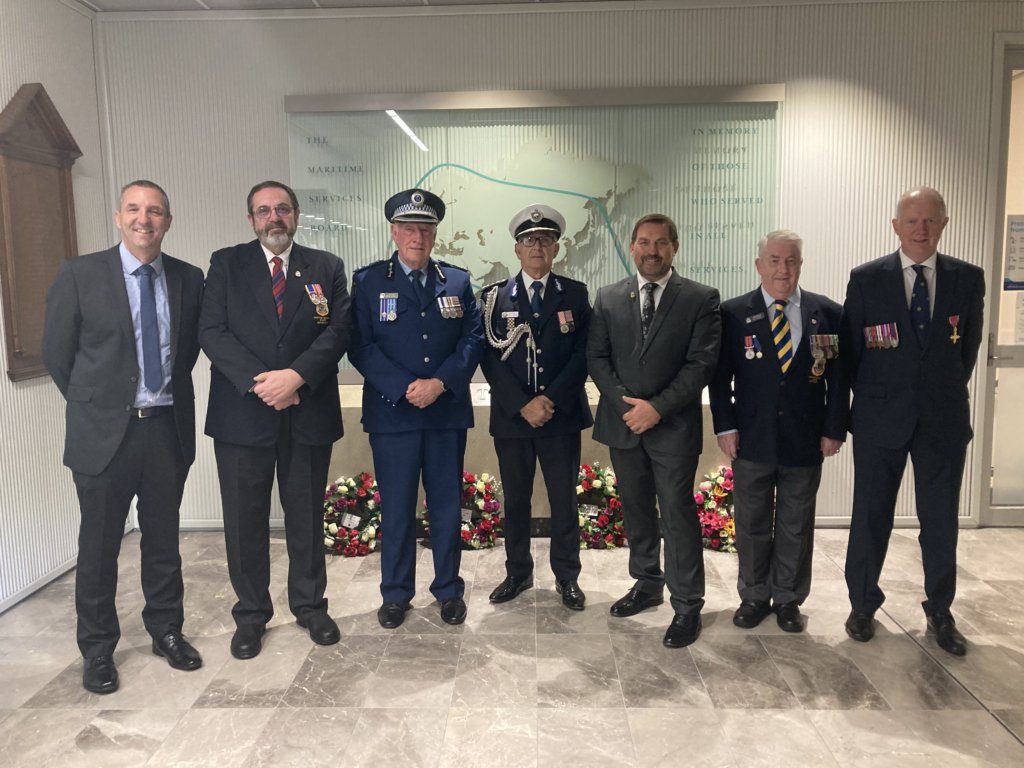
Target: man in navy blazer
{"x": 274, "y": 323}
{"x": 912, "y": 328}
{"x": 778, "y": 409}
{"x": 536, "y": 363}
{"x": 652, "y": 348}
{"x": 120, "y": 342}
{"x": 417, "y": 341}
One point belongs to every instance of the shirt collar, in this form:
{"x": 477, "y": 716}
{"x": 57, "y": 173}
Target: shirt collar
{"x": 529, "y": 281}
{"x": 794, "y": 298}
{"x": 284, "y": 256}
{"x": 906, "y": 262}
{"x": 642, "y": 281}
{"x": 129, "y": 263}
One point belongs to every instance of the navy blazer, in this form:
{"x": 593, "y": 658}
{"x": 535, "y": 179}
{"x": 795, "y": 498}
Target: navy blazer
{"x": 670, "y": 368}
{"x": 241, "y": 334}
{"x": 418, "y": 342}
{"x": 899, "y": 390}
{"x": 561, "y": 357}
{"x": 89, "y": 350}
{"x": 780, "y": 418}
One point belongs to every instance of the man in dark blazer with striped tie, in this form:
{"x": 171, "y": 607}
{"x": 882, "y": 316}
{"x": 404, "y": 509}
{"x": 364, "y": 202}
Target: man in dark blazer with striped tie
{"x": 120, "y": 342}
{"x": 652, "y": 348}
{"x": 912, "y": 328}
{"x": 274, "y": 323}
{"x": 778, "y": 409}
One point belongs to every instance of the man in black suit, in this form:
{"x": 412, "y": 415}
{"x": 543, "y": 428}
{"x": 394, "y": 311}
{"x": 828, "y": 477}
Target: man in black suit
{"x": 912, "y": 327}
{"x": 778, "y": 410}
{"x": 120, "y": 342}
{"x": 535, "y": 361}
{"x": 652, "y": 349}
{"x": 274, "y": 323}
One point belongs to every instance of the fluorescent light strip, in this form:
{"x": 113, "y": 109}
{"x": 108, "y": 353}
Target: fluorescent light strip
{"x": 408, "y": 131}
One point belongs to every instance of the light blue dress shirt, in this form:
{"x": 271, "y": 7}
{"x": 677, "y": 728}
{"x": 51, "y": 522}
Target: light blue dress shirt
{"x": 143, "y": 397}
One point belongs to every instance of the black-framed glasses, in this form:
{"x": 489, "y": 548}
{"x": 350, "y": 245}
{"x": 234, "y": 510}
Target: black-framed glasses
{"x": 544, "y": 241}
{"x": 265, "y": 210}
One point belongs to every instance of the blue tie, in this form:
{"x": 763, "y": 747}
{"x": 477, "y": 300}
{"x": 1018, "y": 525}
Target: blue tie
{"x": 781, "y": 335}
{"x": 152, "y": 370}
{"x": 920, "y": 313}
{"x": 417, "y": 286}
{"x": 535, "y": 300}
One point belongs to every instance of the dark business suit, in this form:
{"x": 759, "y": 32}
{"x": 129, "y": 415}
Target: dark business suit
{"x": 669, "y": 368}
{"x": 408, "y": 442}
{"x": 560, "y": 335}
{"x": 240, "y": 332}
{"x": 909, "y": 400}
{"x": 780, "y": 419}
{"x": 89, "y": 349}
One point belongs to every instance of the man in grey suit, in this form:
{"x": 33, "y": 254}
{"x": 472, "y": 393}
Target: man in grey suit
{"x": 120, "y": 341}
{"x": 652, "y": 349}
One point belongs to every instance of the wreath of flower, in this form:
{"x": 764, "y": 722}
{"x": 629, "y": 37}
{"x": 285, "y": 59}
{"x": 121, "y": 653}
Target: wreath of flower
{"x": 600, "y": 509}
{"x": 352, "y": 516}
{"x": 481, "y": 511}
{"x": 714, "y": 508}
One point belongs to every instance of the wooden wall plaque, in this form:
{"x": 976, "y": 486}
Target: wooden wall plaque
{"x": 37, "y": 219}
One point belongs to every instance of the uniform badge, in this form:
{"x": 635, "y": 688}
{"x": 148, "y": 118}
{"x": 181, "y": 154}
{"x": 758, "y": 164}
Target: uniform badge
{"x": 388, "y": 307}
{"x": 954, "y": 320}
{"x": 566, "y": 323}
{"x": 883, "y": 336}
{"x": 450, "y": 307}
{"x": 510, "y": 319}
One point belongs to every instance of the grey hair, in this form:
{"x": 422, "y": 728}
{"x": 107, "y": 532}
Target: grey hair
{"x": 786, "y": 235}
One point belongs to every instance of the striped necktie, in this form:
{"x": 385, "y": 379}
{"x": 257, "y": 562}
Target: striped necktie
{"x": 781, "y": 335}
{"x": 277, "y": 284}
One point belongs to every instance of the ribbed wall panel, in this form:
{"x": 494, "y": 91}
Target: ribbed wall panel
{"x": 879, "y": 98}
{"x": 46, "y": 42}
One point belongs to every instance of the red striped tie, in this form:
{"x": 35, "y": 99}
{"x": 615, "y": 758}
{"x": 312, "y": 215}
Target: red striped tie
{"x": 277, "y": 285}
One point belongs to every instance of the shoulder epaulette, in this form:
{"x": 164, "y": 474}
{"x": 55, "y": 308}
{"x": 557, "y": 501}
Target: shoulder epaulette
{"x": 371, "y": 264}
{"x": 497, "y": 284}
{"x": 451, "y": 266}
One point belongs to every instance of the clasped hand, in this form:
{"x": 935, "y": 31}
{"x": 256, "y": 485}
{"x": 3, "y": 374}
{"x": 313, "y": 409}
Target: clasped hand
{"x": 278, "y": 389}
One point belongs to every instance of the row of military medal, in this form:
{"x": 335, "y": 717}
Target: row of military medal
{"x": 824, "y": 346}
{"x": 450, "y": 307}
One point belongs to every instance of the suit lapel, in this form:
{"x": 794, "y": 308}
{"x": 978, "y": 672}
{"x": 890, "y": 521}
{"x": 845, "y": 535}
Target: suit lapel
{"x": 295, "y": 282}
{"x": 120, "y": 292}
{"x": 256, "y": 275}
{"x": 172, "y": 275}
{"x": 668, "y": 297}
{"x": 946, "y": 275}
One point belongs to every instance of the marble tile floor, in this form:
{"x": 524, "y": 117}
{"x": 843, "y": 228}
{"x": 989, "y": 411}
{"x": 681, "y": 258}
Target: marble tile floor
{"x": 529, "y": 683}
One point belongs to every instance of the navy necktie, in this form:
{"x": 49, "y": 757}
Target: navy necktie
{"x": 152, "y": 370}
{"x": 920, "y": 311}
{"x": 647, "y": 310}
{"x": 535, "y": 300}
{"x": 417, "y": 287}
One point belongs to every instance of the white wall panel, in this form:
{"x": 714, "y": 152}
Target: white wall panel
{"x": 880, "y": 97}
{"x": 47, "y": 42}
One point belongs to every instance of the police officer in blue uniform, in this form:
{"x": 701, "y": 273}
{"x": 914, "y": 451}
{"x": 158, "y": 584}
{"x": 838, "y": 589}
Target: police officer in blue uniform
{"x": 417, "y": 341}
{"x": 535, "y": 361}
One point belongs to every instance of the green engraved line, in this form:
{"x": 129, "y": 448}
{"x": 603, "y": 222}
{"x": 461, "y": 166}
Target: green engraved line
{"x": 597, "y": 203}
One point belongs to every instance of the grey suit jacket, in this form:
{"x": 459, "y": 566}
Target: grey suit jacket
{"x": 670, "y": 368}
{"x": 89, "y": 350}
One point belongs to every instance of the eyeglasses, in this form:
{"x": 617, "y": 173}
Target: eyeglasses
{"x": 265, "y": 210}
{"x": 544, "y": 241}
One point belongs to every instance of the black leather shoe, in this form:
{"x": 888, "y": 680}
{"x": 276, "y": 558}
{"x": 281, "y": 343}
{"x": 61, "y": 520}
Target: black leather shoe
{"x": 391, "y": 615}
{"x": 947, "y": 635}
{"x": 247, "y": 641}
{"x": 509, "y": 588}
{"x": 453, "y": 610}
{"x": 860, "y": 626}
{"x": 322, "y": 629}
{"x": 684, "y": 629}
{"x": 634, "y": 602}
{"x": 178, "y": 651}
{"x": 100, "y": 674}
{"x": 788, "y": 615}
{"x": 572, "y": 596}
{"x": 751, "y": 613}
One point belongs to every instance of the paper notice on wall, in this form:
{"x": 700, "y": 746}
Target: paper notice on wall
{"x": 1013, "y": 271}
{"x": 1018, "y": 319}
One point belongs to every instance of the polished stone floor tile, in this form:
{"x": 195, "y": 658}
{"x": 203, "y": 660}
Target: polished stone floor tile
{"x": 820, "y": 677}
{"x": 224, "y": 738}
{"x": 483, "y": 737}
{"x": 496, "y": 670}
{"x": 577, "y": 671}
{"x": 336, "y": 675}
{"x": 655, "y": 676}
{"x": 670, "y": 738}
{"x": 304, "y": 738}
{"x": 739, "y": 674}
{"x": 769, "y": 738}
{"x": 415, "y": 671}
{"x": 585, "y": 737}
{"x": 411, "y": 738}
